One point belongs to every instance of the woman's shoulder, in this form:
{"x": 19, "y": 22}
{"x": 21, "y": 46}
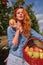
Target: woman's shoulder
{"x": 32, "y": 29}
{"x": 9, "y": 28}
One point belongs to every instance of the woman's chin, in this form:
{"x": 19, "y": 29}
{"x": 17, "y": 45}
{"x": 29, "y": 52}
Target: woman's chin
{"x": 21, "y": 19}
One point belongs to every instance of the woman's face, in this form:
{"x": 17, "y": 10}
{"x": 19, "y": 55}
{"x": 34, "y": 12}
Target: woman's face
{"x": 20, "y": 14}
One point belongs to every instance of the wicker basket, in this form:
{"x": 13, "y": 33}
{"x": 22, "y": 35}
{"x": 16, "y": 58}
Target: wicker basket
{"x": 30, "y": 60}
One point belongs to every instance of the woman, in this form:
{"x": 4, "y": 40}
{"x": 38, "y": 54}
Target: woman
{"x": 18, "y": 32}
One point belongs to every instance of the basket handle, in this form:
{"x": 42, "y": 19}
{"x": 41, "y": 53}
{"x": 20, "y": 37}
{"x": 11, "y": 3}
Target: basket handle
{"x": 32, "y": 38}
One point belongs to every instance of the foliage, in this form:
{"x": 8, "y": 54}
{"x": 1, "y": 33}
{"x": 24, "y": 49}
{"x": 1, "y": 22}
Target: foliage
{"x": 6, "y": 11}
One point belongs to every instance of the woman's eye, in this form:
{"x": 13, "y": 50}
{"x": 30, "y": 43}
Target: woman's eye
{"x": 18, "y": 13}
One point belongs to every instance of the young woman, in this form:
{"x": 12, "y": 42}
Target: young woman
{"x": 18, "y": 32}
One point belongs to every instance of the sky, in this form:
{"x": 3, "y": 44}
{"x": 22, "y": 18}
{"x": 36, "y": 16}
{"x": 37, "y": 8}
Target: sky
{"x": 38, "y": 10}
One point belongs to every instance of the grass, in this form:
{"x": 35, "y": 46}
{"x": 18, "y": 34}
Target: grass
{"x": 3, "y": 41}
{"x": 4, "y": 49}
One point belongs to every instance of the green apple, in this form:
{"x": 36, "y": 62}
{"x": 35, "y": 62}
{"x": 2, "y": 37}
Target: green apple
{"x": 31, "y": 49}
{"x": 30, "y": 53}
{"x": 35, "y": 55}
{"x": 40, "y": 50}
{"x": 41, "y": 55}
{"x": 26, "y": 49}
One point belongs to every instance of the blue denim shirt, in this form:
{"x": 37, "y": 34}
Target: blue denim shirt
{"x": 17, "y": 50}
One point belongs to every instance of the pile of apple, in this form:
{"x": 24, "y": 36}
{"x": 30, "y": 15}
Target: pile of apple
{"x": 34, "y": 52}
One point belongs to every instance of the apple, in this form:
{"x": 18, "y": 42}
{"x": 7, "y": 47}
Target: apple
{"x": 41, "y": 55}
{"x": 35, "y": 55}
{"x": 30, "y": 53}
{"x": 31, "y": 49}
{"x": 36, "y": 49}
{"x": 40, "y": 50}
{"x": 26, "y": 49}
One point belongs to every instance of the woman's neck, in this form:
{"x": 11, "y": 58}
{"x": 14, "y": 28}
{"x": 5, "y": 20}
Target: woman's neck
{"x": 19, "y": 22}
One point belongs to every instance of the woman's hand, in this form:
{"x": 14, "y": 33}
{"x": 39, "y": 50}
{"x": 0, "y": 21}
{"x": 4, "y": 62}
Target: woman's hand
{"x": 15, "y": 25}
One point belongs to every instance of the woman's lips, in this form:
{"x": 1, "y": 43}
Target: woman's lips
{"x": 20, "y": 16}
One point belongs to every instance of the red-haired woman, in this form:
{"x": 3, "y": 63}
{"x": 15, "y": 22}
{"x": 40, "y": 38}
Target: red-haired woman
{"x": 18, "y": 32}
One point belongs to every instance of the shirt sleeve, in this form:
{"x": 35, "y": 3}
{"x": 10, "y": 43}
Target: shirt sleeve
{"x": 10, "y": 35}
{"x": 37, "y": 35}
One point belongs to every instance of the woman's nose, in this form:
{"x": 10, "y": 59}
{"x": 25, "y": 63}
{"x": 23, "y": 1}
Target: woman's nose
{"x": 20, "y": 13}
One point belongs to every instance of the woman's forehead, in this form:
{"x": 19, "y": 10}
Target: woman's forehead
{"x": 20, "y": 10}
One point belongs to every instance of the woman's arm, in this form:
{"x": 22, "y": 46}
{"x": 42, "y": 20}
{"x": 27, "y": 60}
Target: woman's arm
{"x": 13, "y": 37}
{"x": 37, "y": 35}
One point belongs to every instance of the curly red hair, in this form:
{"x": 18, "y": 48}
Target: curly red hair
{"x": 26, "y": 22}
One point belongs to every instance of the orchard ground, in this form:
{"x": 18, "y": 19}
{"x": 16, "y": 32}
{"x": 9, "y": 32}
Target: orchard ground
{"x": 4, "y": 49}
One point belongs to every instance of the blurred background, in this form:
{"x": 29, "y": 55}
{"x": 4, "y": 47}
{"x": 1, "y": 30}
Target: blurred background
{"x": 35, "y": 11}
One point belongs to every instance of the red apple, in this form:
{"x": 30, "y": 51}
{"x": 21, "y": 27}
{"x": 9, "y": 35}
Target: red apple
{"x": 36, "y": 49}
{"x": 4, "y": 3}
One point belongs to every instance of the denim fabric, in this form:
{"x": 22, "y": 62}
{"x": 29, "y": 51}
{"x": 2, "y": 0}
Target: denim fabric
{"x": 14, "y": 60}
{"x": 17, "y": 50}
